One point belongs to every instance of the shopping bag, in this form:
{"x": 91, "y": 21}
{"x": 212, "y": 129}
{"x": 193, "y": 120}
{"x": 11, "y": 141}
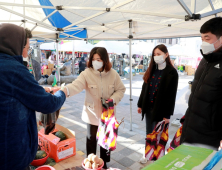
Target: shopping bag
{"x": 108, "y": 128}
{"x": 156, "y": 141}
{"x": 176, "y": 139}
{"x": 160, "y": 149}
{"x": 48, "y": 121}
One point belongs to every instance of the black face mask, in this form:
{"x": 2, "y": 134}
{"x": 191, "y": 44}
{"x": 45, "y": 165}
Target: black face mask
{"x": 213, "y": 57}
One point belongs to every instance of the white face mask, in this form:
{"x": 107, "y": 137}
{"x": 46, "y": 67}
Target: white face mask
{"x": 159, "y": 59}
{"x": 208, "y": 48}
{"x": 97, "y": 65}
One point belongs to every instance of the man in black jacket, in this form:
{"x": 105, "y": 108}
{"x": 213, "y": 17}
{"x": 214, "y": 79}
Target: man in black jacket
{"x": 203, "y": 117}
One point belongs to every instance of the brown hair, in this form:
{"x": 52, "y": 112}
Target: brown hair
{"x": 148, "y": 72}
{"x": 102, "y": 52}
{"x": 28, "y": 34}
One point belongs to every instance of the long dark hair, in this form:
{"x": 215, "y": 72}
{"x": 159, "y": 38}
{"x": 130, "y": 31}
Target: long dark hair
{"x": 102, "y": 52}
{"x": 148, "y": 72}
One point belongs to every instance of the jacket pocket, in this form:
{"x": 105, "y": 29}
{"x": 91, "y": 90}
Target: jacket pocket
{"x": 93, "y": 89}
{"x": 90, "y": 106}
{"x": 111, "y": 89}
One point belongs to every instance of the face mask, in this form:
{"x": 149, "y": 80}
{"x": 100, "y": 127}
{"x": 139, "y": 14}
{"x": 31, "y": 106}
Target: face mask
{"x": 159, "y": 59}
{"x": 208, "y": 48}
{"x": 97, "y": 65}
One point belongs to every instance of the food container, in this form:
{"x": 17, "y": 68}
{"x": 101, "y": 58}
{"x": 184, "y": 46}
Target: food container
{"x": 99, "y": 168}
{"x": 39, "y": 162}
{"x": 45, "y": 167}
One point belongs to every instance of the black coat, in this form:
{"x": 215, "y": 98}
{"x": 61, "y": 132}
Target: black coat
{"x": 204, "y": 115}
{"x": 165, "y": 97}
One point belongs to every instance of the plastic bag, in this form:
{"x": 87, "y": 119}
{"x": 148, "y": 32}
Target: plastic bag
{"x": 216, "y": 158}
{"x": 48, "y": 121}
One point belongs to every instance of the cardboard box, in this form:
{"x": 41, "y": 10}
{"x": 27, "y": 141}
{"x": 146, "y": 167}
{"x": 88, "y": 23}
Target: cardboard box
{"x": 44, "y": 71}
{"x": 56, "y": 149}
{"x": 50, "y": 66}
{"x": 49, "y": 72}
{"x": 141, "y": 73}
{"x": 190, "y": 71}
{"x": 187, "y": 67}
{"x": 183, "y": 157}
{"x": 140, "y": 67}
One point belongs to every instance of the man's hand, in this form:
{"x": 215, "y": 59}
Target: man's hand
{"x": 139, "y": 110}
{"x": 220, "y": 147}
{"x": 52, "y": 89}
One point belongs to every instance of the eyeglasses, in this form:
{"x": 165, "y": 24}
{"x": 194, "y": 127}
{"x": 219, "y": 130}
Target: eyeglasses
{"x": 29, "y": 51}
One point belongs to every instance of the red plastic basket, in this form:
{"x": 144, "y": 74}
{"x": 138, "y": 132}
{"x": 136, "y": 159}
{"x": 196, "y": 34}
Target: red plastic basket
{"x": 39, "y": 162}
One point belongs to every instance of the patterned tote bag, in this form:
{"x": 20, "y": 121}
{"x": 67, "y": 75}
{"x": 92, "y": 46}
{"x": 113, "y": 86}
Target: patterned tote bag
{"x": 156, "y": 141}
{"x": 108, "y": 128}
{"x": 176, "y": 139}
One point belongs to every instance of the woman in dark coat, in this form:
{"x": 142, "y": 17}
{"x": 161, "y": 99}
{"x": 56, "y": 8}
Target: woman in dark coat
{"x": 157, "y": 98}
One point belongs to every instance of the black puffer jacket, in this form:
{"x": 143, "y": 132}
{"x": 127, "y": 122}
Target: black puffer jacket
{"x": 204, "y": 115}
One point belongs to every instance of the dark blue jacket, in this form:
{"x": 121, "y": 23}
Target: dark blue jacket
{"x": 20, "y": 97}
{"x": 82, "y": 64}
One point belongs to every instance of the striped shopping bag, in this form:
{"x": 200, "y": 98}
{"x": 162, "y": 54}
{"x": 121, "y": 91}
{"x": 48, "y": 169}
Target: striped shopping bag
{"x": 156, "y": 141}
{"x": 176, "y": 139}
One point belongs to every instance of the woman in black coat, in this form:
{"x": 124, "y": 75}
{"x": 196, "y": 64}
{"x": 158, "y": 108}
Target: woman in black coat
{"x": 157, "y": 98}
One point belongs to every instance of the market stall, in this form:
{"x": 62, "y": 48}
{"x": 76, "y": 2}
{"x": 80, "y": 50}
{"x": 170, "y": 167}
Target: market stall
{"x": 125, "y": 20}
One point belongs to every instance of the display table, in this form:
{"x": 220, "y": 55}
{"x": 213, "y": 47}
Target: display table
{"x": 70, "y": 163}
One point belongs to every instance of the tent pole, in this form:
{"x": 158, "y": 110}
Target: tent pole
{"x": 47, "y": 26}
{"x": 24, "y": 11}
{"x": 212, "y": 6}
{"x": 185, "y": 7}
{"x": 57, "y": 58}
{"x": 73, "y": 58}
{"x": 130, "y": 56}
{"x": 214, "y": 12}
{"x": 45, "y": 19}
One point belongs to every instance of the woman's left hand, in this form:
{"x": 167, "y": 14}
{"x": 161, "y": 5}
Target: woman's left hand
{"x": 166, "y": 120}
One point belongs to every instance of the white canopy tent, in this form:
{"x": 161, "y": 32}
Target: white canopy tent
{"x": 144, "y": 48}
{"x": 176, "y": 50}
{"x": 119, "y": 47}
{"x": 105, "y": 19}
{"x": 113, "y": 46}
{"x": 48, "y": 46}
{"x": 78, "y": 45}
